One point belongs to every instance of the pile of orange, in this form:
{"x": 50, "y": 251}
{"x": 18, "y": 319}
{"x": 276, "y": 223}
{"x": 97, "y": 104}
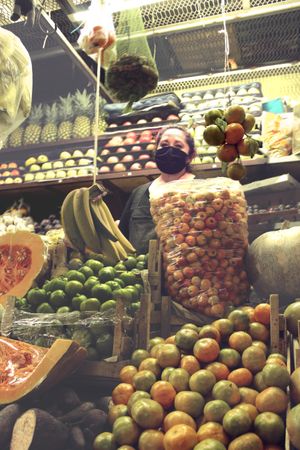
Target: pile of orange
{"x": 209, "y": 388}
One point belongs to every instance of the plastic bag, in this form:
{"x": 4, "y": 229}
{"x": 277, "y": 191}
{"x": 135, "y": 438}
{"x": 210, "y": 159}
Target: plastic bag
{"x": 99, "y": 33}
{"x": 15, "y": 83}
{"x": 277, "y": 133}
{"x": 202, "y": 225}
{"x": 296, "y": 130}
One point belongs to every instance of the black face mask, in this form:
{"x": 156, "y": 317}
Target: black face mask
{"x": 170, "y": 159}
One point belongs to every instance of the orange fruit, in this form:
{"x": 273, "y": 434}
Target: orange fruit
{"x": 261, "y": 345}
{"x": 152, "y": 365}
{"x": 243, "y": 147}
{"x": 262, "y": 313}
{"x": 275, "y": 375}
{"x": 151, "y": 440}
{"x": 125, "y": 431}
{"x": 116, "y": 411}
{"x": 202, "y": 381}
{"x": 177, "y": 418}
{"x": 236, "y": 422}
{"x": 227, "y": 391}
{"x": 209, "y": 331}
{"x": 219, "y": 370}
{"x": 191, "y": 326}
{"x": 147, "y": 413}
{"x": 127, "y": 373}
{"x": 179, "y": 378}
{"x": 105, "y": 441}
{"x": 143, "y": 380}
{"x": 248, "y": 395}
{"x": 274, "y": 360}
{"x": 213, "y": 135}
{"x": 278, "y": 356}
{"x": 254, "y": 359}
{"x": 250, "y": 409}
{"x": 248, "y": 441}
{"x": 166, "y": 373}
{"x": 138, "y": 356}
{"x": 241, "y": 377}
{"x": 215, "y": 410}
{"x": 227, "y": 153}
{"x": 236, "y": 171}
{"x": 210, "y": 444}
{"x": 235, "y": 113}
{"x": 272, "y": 399}
{"x": 154, "y": 350}
{"x": 122, "y": 393}
{"x": 206, "y": 350}
{"x": 190, "y": 364}
{"x": 186, "y": 338}
{"x": 248, "y": 123}
{"x": 234, "y": 132}
{"x": 240, "y": 340}
{"x": 258, "y": 382}
{"x": 168, "y": 355}
{"x": 192, "y": 403}
{"x": 269, "y": 427}
{"x": 137, "y": 395}
{"x": 164, "y": 393}
{"x": 230, "y": 357}
{"x": 249, "y": 311}
{"x": 154, "y": 341}
{"x": 225, "y": 328}
{"x": 212, "y": 430}
{"x": 170, "y": 340}
{"x": 180, "y": 437}
{"x": 259, "y": 332}
{"x": 240, "y": 320}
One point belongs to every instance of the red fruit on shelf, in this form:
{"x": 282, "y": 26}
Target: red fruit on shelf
{"x": 131, "y": 135}
{"x": 129, "y": 141}
{"x": 227, "y": 153}
{"x": 127, "y": 124}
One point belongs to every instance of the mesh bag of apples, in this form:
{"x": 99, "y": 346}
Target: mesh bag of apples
{"x": 202, "y": 226}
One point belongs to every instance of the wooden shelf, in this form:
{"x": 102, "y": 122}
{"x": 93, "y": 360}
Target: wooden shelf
{"x": 292, "y": 213}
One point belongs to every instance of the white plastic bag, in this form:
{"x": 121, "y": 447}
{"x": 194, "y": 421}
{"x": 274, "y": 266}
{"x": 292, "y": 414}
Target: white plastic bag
{"x": 15, "y": 83}
{"x": 99, "y": 33}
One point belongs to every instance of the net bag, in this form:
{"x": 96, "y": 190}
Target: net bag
{"x": 133, "y": 74}
{"x": 15, "y": 83}
{"x": 202, "y": 225}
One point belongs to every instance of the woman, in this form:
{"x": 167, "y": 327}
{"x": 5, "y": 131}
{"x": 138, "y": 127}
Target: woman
{"x": 175, "y": 150}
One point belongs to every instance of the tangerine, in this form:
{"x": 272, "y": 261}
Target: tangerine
{"x": 147, "y": 413}
{"x": 234, "y": 133}
{"x": 168, "y": 355}
{"x": 125, "y": 431}
{"x": 179, "y": 378}
{"x": 143, "y": 380}
{"x": 254, "y": 359}
{"x": 225, "y": 327}
{"x": 276, "y": 375}
{"x": 186, "y": 338}
{"x": 138, "y": 356}
{"x": 206, "y": 350}
{"x": 177, "y": 418}
{"x": 104, "y": 441}
{"x": 212, "y": 430}
{"x": 235, "y": 113}
{"x": 219, "y": 370}
{"x": 137, "y": 395}
{"x": 240, "y": 320}
{"x": 213, "y": 135}
{"x": 202, "y": 381}
{"x": 227, "y": 153}
{"x": 258, "y": 382}
{"x": 248, "y": 395}
{"x": 116, "y": 411}
{"x": 236, "y": 422}
{"x": 250, "y": 409}
{"x": 227, "y": 391}
{"x": 180, "y": 437}
{"x": 259, "y": 332}
{"x": 166, "y": 373}
{"x": 154, "y": 341}
{"x": 154, "y": 350}
{"x": 236, "y": 171}
{"x": 151, "y": 440}
{"x": 122, "y": 393}
{"x": 215, "y": 410}
{"x": 249, "y": 122}
{"x": 230, "y": 357}
{"x": 164, "y": 393}
{"x": 272, "y": 399}
{"x": 240, "y": 340}
{"x": 152, "y": 365}
{"x": 261, "y": 345}
{"x": 262, "y": 313}
{"x": 170, "y": 340}
{"x": 209, "y": 331}
{"x": 269, "y": 427}
{"x": 192, "y": 403}
{"x": 190, "y": 364}
{"x": 248, "y": 441}
{"x": 127, "y": 373}
{"x": 241, "y": 377}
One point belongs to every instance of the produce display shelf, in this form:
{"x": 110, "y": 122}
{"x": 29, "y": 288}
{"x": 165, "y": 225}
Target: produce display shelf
{"x": 292, "y": 213}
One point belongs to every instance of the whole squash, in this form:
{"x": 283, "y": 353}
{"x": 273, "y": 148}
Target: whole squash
{"x": 273, "y": 263}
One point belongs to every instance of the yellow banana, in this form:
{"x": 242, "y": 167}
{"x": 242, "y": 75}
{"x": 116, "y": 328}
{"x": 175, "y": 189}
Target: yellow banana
{"x": 69, "y": 223}
{"x": 112, "y": 256}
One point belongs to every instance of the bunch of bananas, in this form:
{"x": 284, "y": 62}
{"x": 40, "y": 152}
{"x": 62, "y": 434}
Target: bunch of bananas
{"x": 89, "y": 225}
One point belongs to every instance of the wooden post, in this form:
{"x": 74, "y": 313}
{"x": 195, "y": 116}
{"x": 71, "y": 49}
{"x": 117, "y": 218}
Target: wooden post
{"x": 282, "y": 335}
{"x": 144, "y": 319}
{"x": 274, "y": 325}
{"x": 120, "y": 311}
{"x": 154, "y": 270}
{"x": 165, "y": 317}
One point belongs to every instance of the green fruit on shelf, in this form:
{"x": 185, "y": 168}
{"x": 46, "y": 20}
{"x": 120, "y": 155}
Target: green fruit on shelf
{"x": 58, "y": 165}
{"x": 30, "y": 161}
{"x": 34, "y": 168}
{"x": 90, "y": 153}
{"x": 109, "y": 304}
{"x": 76, "y": 275}
{"x": 91, "y": 304}
{"x": 70, "y": 163}
{"x": 75, "y": 264}
{"x": 50, "y": 175}
{"x": 58, "y": 298}
{"x": 120, "y": 282}
{"x": 46, "y": 166}
{"x": 61, "y": 174}
{"x": 45, "y": 308}
{"x": 107, "y": 274}
{"x": 128, "y": 278}
{"x": 40, "y": 176}
{"x": 87, "y": 271}
{"x": 102, "y": 292}
{"x": 84, "y": 162}
{"x": 71, "y": 173}
{"x": 82, "y": 172}
{"x": 42, "y": 159}
{"x": 77, "y": 300}
{"x": 120, "y": 267}
{"x": 63, "y": 310}
{"x": 130, "y": 263}
{"x": 95, "y": 265}
{"x": 123, "y": 294}
{"x": 141, "y": 265}
{"x": 65, "y": 155}
{"x": 36, "y": 296}
{"x": 28, "y": 177}
{"x": 77, "y": 154}
{"x": 73, "y": 287}
{"x": 113, "y": 284}
{"x": 88, "y": 285}
{"x": 54, "y": 285}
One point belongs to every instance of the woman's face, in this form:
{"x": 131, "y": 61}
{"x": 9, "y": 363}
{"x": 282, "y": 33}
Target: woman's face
{"x": 175, "y": 138}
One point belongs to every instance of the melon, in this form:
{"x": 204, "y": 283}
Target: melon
{"x": 21, "y": 260}
{"x": 292, "y": 315}
{"x": 292, "y": 425}
{"x": 273, "y": 262}
{"x": 26, "y": 368}
{"x": 295, "y": 386}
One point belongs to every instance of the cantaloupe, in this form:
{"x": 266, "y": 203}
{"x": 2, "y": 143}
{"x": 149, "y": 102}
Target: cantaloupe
{"x": 26, "y": 367}
{"x": 21, "y": 260}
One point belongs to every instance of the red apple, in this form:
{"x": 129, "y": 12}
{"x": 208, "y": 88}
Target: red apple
{"x": 120, "y": 167}
{"x": 112, "y": 160}
{"x": 150, "y": 165}
{"x": 15, "y": 173}
{"x": 121, "y": 150}
{"x": 132, "y": 135}
{"x": 136, "y": 166}
{"x": 129, "y": 141}
{"x": 104, "y": 169}
{"x": 127, "y": 158}
{"x": 136, "y": 148}
{"x": 145, "y": 138}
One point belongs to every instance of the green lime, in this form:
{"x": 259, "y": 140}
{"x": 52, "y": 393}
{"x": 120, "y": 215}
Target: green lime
{"x": 106, "y": 441}
{"x": 55, "y": 285}
{"x": 42, "y": 341}
{"x": 123, "y": 294}
{"x": 104, "y": 345}
{"x": 58, "y": 298}
{"x": 75, "y": 264}
{"x": 130, "y": 263}
{"x": 134, "y": 307}
{"x": 128, "y": 278}
{"x": 142, "y": 258}
{"x": 97, "y": 256}
{"x": 77, "y": 300}
{"x": 98, "y": 328}
{"x": 92, "y": 354}
{"x": 107, "y": 274}
{"x": 37, "y": 296}
{"x": 135, "y": 293}
{"x": 94, "y": 265}
{"x": 120, "y": 282}
{"x": 139, "y": 287}
{"x": 89, "y": 284}
{"x": 63, "y": 310}
{"x": 120, "y": 267}
{"x": 102, "y": 292}
{"x": 113, "y": 284}
{"x": 76, "y": 275}
{"x": 91, "y": 304}
{"x": 109, "y": 304}
{"x": 45, "y": 308}
{"x": 86, "y": 271}
{"x": 141, "y": 266}
{"x": 73, "y": 288}
{"x": 83, "y": 337}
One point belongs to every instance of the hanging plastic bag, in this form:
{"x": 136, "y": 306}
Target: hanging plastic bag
{"x": 15, "y": 83}
{"x": 277, "y": 133}
{"x": 202, "y": 225}
{"x": 99, "y": 33}
{"x": 134, "y": 74}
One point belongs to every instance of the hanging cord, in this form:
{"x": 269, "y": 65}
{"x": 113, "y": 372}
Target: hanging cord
{"x": 97, "y": 106}
{"x": 226, "y": 51}
{"x": 46, "y": 32}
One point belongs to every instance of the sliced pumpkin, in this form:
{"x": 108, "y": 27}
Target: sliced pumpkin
{"x": 21, "y": 260}
{"x": 25, "y": 367}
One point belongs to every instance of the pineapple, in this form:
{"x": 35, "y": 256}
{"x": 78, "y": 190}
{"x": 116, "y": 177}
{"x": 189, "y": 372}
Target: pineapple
{"x": 101, "y": 123}
{"x": 82, "y": 123}
{"x": 16, "y": 138}
{"x": 66, "y": 114}
{"x": 33, "y": 130}
{"x": 49, "y": 131}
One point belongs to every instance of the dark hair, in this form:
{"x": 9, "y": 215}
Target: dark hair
{"x": 188, "y": 137}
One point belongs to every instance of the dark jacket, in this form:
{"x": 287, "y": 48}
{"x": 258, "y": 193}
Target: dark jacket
{"x": 136, "y": 221}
